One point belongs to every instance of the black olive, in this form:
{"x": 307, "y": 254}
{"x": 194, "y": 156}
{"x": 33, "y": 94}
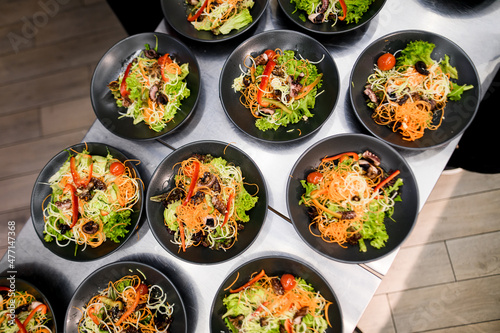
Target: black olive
{"x": 421, "y": 67}
{"x": 162, "y": 98}
{"x": 210, "y": 222}
{"x": 151, "y": 54}
{"x": 63, "y": 228}
{"x": 90, "y": 227}
{"x": 22, "y": 308}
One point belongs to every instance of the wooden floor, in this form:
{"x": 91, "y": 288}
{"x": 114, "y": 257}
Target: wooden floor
{"x": 446, "y": 277}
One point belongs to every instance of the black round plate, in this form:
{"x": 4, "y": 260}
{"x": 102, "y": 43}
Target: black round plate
{"x": 99, "y": 280}
{"x": 405, "y": 212}
{"x": 163, "y": 180}
{"x": 276, "y": 266}
{"x": 114, "y": 62}
{"x": 326, "y": 28}
{"x": 40, "y": 199}
{"x": 457, "y": 114}
{"x": 176, "y": 13}
{"x": 304, "y": 46}
{"x": 22, "y": 285}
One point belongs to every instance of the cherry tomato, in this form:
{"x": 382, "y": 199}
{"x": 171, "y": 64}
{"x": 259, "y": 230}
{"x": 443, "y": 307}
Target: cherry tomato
{"x": 270, "y": 54}
{"x": 314, "y": 177}
{"x": 288, "y": 281}
{"x": 116, "y": 168}
{"x": 386, "y": 61}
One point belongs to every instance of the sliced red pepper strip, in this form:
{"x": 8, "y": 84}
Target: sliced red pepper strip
{"x": 194, "y": 178}
{"x": 76, "y": 177}
{"x": 41, "y": 307}
{"x": 22, "y": 329}
{"x": 288, "y": 326}
{"x": 352, "y": 155}
{"x": 3, "y": 288}
{"x": 260, "y": 308}
{"x": 123, "y": 86}
{"x": 194, "y": 17}
{"x": 265, "y": 76}
{"x": 74, "y": 204}
{"x": 92, "y": 316}
{"x": 385, "y": 181}
{"x": 249, "y": 283}
{"x": 162, "y": 61}
{"x": 344, "y": 10}
{"x": 228, "y": 207}
{"x": 142, "y": 289}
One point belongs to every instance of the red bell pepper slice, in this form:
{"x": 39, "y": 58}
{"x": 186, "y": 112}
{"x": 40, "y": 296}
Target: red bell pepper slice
{"x": 265, "y": 77}
{"x": 91, "y": 313}
{"x": 385, "y": 181}
{"x": 41, "y": 307}
{"x": 228, "y": 207}
{"x": 22, "y": 329}
{"x": 194, "y": 178}
{"x": 194, "y": 17}
{"x": 344, "y": 10}
{"x": 249, "y": 283}
{"x": 3, "y": 288}
{"x": 288, "y": 326}
{"x": 260, "y": 308}
{"x": 123, "y": 86}
{"x": 74, "y": 203}
{"x": 76, "y": 177}
{"x": 162, "y": 61}
{"x": 142, "y": 289}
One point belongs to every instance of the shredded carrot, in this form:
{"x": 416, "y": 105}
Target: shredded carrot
{"x": 412, "y": 116}
{"x": 236, "y": 279}
{"x": 249, "y": 283}
{"x": 207, "y": 214}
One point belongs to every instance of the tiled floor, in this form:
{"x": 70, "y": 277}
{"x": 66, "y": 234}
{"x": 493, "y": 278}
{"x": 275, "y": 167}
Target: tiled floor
{"x": 446, "y": 277}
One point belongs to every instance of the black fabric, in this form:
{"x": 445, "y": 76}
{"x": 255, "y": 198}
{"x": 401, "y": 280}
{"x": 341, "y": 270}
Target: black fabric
{"x": 476, "y": 149}
{"x": 144, "y": 16}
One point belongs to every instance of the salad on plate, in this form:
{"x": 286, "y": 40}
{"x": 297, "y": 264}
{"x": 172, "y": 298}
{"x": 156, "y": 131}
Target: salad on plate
{"x": 285, "y": 303}
{"x": 332, "y": 11}
{"x": 220, "y": 16}
{"x": 127, "y": 305}
{"x": 20, "y": 311}
{"x": 151, "y": 88}
{"x": 349, "y": 196}
{"x": 279, "y": 88}
{"x": 91, "y": 201}
{"x": 208, "y": 204}
{"x": 409, "y": 90}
